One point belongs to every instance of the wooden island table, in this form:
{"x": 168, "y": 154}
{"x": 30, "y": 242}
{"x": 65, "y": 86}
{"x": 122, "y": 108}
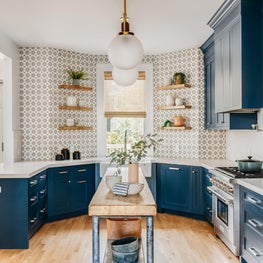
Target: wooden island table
{"x": 105, "y": 204}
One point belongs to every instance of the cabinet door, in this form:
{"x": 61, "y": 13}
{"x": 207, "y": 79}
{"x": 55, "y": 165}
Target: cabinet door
{"x": 83, "y": 186}
{"x": 59, "y": 191}
{"x": 14, "y": 213}
{"x": 235, "y": 62}
{"x": 175, "y": 187}
{"x": 222, "y": 78}
{"x": 196, "y": 190}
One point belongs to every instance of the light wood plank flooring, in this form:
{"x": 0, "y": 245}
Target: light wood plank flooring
{"x": 177, "y": 239}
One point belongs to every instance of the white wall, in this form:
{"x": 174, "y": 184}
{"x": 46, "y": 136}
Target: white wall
{"x": 12, "y": 138}
{"x": 240, "y": 144}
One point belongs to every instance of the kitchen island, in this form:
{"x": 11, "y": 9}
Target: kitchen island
{"x": 105, "y": 204}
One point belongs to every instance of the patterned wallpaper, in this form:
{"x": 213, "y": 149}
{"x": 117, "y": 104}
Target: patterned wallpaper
{"x": 43, "y": 69}
{"x": 195, "y": 143}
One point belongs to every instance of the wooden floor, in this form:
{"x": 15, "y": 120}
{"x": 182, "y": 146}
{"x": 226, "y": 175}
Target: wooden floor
{"x": 177, "y": 239}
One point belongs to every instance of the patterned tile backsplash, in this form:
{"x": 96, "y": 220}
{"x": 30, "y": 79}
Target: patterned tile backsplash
{"x": 43, "y": 69}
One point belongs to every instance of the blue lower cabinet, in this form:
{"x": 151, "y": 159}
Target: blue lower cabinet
{"x": 179, "y": 189}
{"x": 70, "y": 190}
{"x": 14, "y": 213}
{"x": 207, "y": 196}
{"x": 251, "y": 230}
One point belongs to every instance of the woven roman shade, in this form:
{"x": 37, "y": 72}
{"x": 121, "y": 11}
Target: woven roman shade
{"x": 122, "y": 101}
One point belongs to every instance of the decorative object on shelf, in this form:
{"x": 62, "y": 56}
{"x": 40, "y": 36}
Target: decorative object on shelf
{"x": 178, "y": 121}
{"x": 76, "y": 155}
{"x": 178, "y": 78}
{"x": 137, "y": 151}
{"x": 70, "y": 122}
{"x": 123, "y": 227}
{"x": 81, "y": 103}
{"x": 66, "y": 153}
{"x": 179, "y": 101}
{"x": 169, "y": 101}
{"x": 167, "y": 123}
{"x": 71, "y": 101}
{"x": 76, "y": 76}
{"x": 125, "y": 51}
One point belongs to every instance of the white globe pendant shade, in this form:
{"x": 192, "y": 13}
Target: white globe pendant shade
{"x": 124, "y": 77}
{"x": 125, "y": 51}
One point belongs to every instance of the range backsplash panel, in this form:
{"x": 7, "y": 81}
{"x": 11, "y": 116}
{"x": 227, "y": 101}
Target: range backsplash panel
{"x": 43, "y": 69}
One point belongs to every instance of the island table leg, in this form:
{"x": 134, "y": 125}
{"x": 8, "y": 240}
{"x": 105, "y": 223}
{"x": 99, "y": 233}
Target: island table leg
{"x": 149, "y": 239}
{"x": 95, "y": 239}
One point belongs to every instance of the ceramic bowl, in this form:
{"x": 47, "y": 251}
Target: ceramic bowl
{"x": 128, "y": 257}
{"x": 125, "y": 245}
{"x": 135, "y": 188}
{"x": 111, "y": 180}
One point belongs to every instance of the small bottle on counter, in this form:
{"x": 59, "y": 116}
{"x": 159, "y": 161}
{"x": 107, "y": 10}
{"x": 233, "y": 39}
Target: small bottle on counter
{"x": 66, "y": 153}
{"x": 76, "y": 155}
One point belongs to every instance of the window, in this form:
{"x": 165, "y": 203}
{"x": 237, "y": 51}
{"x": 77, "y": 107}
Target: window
{"x": 122, "y": 108}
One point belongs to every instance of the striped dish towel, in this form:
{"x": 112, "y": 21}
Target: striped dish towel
{"x": 121, "y": 189}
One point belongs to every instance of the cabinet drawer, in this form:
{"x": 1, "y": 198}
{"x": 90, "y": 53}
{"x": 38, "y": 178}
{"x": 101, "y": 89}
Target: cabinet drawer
{"x": 42, "y": 178}
{"x": 254, "y": 220}
{"x": 62, "y": 171}
{"x": 207, "y": 178}
{"x": 252, "y": 248}
{"x": 33, "y": 198}
{"x": 252, "y": 199}
{"x": 33, "y": 216}
{"x": 33, "y": 182}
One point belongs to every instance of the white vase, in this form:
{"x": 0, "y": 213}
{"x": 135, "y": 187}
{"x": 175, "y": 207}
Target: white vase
{"x": 179, "y": 101}
{"x": 169, "y": 100}
{"x": 71, "y": 101}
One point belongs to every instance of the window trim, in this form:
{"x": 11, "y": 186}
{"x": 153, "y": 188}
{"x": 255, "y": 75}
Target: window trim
{"x": 102, "y": 121}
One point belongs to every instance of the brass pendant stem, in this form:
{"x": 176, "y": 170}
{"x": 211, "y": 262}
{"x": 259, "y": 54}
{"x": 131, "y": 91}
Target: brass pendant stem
{"x": 124, "y": 17}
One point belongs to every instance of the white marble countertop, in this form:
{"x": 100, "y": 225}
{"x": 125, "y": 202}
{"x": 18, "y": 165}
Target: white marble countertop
{"x": 28, "y": 169}
{"x": 255, "y": 184}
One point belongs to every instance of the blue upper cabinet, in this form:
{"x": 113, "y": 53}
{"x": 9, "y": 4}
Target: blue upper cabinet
{"x": 237, "y": 40}
{"x": 213, "y": 120}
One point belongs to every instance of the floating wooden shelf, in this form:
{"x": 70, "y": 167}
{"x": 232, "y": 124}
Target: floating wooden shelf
{"x": 74, "y": 128}
{"x": 176, "y": 128}
{"x": 174, "y": 86}
{"x": 65, "y": 107}
{"x": 65, "y": 86}
{"x": 173, "y": 107}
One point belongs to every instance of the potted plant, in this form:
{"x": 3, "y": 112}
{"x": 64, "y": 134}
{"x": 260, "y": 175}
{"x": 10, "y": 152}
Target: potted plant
{"x": 134, "y": 155}
{"x": 178, "y": 78}
{"x": 76, "y": 75}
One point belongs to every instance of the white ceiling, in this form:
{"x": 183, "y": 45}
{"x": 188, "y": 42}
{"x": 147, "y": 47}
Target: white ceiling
{"x": 89, "y": 25}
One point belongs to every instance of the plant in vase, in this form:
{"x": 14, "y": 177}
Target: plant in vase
{"x": 178, "y": 78}
{"x": 134, "y": 155}
{"x": 76, "y": 75}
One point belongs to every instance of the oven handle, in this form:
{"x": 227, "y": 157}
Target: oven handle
{"x": 226, "y": 201}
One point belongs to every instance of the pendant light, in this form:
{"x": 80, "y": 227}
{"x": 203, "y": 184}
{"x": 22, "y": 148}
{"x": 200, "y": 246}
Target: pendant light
{"x": 125, "y": 50}
{"x": 124, "y": 77}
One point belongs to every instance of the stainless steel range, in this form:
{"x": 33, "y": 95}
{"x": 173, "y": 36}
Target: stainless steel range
{"x": 225, "y": 210}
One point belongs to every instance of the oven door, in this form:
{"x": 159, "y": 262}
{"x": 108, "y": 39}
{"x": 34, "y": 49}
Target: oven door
{"x": 223, "y": 217}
